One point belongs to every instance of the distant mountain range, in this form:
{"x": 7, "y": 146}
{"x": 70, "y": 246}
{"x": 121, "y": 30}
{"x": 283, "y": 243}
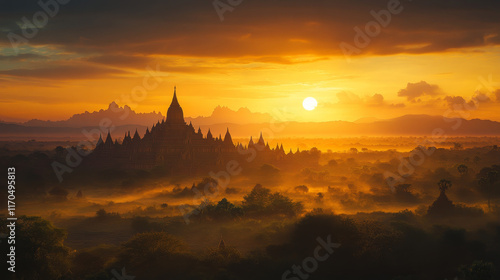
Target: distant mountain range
{"x": 117, "y": 115}
{"x": 224, "y": 114}
{"x": 243, "y": 123}
{"x": 408, "y": 125}
{"x": 120, "y": 116}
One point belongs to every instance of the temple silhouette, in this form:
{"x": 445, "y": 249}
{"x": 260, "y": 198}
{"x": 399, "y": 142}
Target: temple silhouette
{"x": 176, "y": 146}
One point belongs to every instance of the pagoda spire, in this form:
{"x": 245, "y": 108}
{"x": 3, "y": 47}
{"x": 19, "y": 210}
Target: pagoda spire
{"x": 99, "y": 142}
{"x": 261, "y": 140}
{"x": 108, "y": 138}
{"x": 174, "y": 99}
{"x": 227, "y": 138}
{"x": 222, "y": 244}
{"x": 175, "y": 115}
{"x": 136, "y": 136}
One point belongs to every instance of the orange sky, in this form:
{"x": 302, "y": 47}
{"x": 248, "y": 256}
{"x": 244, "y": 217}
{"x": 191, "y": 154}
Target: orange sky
{"x": 263, "y": 56}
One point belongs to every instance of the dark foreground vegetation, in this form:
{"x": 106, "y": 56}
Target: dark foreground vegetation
{"x": 290, "y": 227}
{"x": 372, "y": 246}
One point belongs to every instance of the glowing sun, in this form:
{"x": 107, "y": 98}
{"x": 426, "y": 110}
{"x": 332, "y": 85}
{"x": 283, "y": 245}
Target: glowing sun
{"x": 310, "y": 103}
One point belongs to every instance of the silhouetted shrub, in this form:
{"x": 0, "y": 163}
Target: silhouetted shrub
{"x": 40, "y": 253}
{"x": 260, "y": 201}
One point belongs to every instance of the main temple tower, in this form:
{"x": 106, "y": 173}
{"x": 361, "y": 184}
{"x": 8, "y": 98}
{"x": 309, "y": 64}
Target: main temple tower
{"x": 175, "y": 116}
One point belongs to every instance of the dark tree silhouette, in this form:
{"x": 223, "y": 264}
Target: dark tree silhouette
{"x": 476, "y": 159}
{"x": 463, "y": 169}
{"x": 40, "y": 253}
{"x": 257, "y": 198}
{"x": 151, "y": 254}
{"x": 319, "y": 197}
{"x": 444, "y": 185}
{"x": 261, "y": 201}
{"x": 457, "y": 146}
{"x": 479, "y": 270}
{"x": 302, "y": 189}
{"x": 332, "y": 163}
{"x": 487, "y": 184}
{"x": 224, "y": 208}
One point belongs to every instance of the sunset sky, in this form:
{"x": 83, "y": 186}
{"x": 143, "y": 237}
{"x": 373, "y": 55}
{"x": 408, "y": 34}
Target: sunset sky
{"x": 264, "y": 55}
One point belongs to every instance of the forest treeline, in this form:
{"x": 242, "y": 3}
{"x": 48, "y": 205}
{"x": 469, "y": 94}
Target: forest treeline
{"x": 401, "y": 245}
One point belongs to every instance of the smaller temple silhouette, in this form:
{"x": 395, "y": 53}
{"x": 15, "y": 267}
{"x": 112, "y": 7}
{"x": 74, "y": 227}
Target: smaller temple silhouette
{"x": 222, "y": 244}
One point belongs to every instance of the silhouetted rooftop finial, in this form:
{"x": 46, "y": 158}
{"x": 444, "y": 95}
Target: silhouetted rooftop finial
{"x": 174, "y": 99}
{"x": 222, "y": 245}
{"x": 261, "y": 140}
{"x": 99, "y": 142}
{"x": 109, "y": 140}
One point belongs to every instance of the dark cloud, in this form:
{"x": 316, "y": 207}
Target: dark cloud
{"x": 122, "y": 60}
{"x": 255, "y": 28}
{"x": 23, "y": 57}
{"x": 75, "y": 72}
{"x": 482, "y": 97}
{"x": 458, "y": 102}
{"x": 415, "y": 90}
{"x": 377, "y": 99}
